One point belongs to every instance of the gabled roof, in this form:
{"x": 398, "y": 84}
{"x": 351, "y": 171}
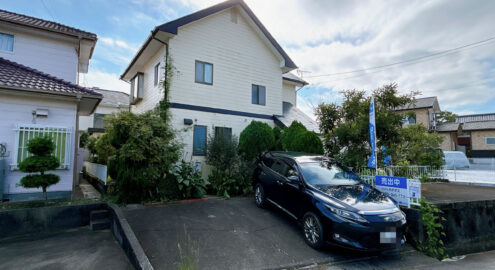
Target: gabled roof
{"x": 112, "y": 98}
{"x": 447, "y": 127}
{"x": 420, "y": 103}
{"x": 293, "y": 78}
{"x": 292, "y": 113}
{"x": 19, "y": 77}
{"x": 20, "y": 19}
{"x": 172, "y": 28}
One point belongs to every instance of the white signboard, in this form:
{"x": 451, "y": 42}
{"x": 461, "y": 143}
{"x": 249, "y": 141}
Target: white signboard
{"x": 414, "y": 186}
{"x": 395, "y": 187}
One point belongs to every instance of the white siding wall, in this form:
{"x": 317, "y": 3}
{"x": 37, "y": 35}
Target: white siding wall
{"x": 17, "y": 110}
{"x": 151, "y": 94}
{"x": 211, "y": 120}
{"x": 289, "y": 93}
{"x": 55, "y": 57}
{"x": 239, "y": 58}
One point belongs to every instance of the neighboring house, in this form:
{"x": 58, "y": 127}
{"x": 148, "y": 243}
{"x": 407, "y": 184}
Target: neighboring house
{"x": 112, "y": 102}
{"x": 40, "y": 62}
{"x": 472, "y": 134}
{"x": 228, "y": 71}
{"x": 421, "y": 111}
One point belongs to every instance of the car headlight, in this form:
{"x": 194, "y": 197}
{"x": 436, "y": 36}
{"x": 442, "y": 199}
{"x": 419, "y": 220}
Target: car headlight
{"x": 347, "y": 214}
{"x": 403, "y": 218}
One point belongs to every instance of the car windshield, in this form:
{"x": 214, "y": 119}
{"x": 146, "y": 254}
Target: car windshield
{"x": 326, "y": 173}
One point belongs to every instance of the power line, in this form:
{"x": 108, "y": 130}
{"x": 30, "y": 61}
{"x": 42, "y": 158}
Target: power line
{"x": 404, "y": 64}
{"x": 441, "y": 53}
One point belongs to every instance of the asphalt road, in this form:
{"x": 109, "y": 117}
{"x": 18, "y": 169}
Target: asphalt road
{"x": 226, "y": 234}
{"x": 78, "y": 248}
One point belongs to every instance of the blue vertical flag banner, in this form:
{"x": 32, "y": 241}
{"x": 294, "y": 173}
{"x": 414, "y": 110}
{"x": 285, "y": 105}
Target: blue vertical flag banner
{"x": 372, "y": 160}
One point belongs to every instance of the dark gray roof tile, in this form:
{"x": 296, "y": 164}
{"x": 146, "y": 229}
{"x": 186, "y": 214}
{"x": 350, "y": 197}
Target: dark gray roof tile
{"x": 19, "y": 77}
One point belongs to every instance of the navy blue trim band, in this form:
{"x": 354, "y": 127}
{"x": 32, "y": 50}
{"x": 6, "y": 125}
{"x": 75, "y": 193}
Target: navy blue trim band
{"x": 217, "y": 110}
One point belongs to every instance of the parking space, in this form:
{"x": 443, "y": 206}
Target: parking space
{"x": 225, "y": 234}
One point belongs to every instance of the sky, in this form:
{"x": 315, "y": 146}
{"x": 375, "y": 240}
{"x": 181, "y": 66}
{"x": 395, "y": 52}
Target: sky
{"x": 322, "y": 37}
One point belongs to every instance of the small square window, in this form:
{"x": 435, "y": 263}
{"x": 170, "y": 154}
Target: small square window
{"x": 199, "y": 141}
{"x": 258, "y": 94}
{"x": 490, "y": 140}
{"x": 6, "y": 42}
{"x": 157, "y": 73}
{"x": 223, "y": 131}
{"x": 204, "y": 72}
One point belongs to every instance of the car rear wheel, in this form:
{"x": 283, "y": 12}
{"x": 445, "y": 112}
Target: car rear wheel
{"x": 259, "y": 196}
{"x": 313, "y": 230}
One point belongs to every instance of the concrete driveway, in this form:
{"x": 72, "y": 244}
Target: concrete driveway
{"x": 225, "y": 234}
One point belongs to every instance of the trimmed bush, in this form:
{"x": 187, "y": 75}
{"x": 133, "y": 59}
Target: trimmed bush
{"x": 42, "y": 160}
{"x": 297, "y": 138}
{"x": 256, "y": 139}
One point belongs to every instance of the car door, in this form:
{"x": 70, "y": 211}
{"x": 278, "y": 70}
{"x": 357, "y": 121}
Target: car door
{"x": 278, "y": 170}
{"x": 266, "y": 176}
{"x": 292, "y": 193}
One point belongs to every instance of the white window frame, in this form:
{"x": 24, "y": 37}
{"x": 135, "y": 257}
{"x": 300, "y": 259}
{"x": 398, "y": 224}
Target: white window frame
{"x": 486, "y": 140}
{"x": 42, "y": 130}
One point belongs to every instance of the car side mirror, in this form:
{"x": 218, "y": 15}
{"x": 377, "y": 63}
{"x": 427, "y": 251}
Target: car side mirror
{"x": 294, "y": 179}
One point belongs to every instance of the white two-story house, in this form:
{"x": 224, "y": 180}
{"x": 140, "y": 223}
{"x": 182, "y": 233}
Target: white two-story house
{"x": 40, "y": 62}
{"x": 228, "y": 70}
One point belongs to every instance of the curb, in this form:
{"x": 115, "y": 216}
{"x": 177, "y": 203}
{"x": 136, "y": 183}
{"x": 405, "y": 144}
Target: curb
{"x": 472, "y": 184}
{"x": 127, "y": 239}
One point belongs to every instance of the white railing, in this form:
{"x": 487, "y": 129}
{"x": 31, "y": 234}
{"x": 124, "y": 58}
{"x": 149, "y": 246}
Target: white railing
{"x": 412, "y": 171}
{"x": 97, "y": 171}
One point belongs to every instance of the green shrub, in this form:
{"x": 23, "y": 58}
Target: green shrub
{"x": 41, "y": 161}
{"x": 290, "y": 135}
{"x": 104, "y": 149}
{"x": 189, "y": 182}
{"x": 146, "y": 149}
{"x": 231, "y": 174}
{"x": 83, "y": 139}
{"x": 256, "y": 139}
{"x": 297, "y": 138}
{"x": 277, "y": 133}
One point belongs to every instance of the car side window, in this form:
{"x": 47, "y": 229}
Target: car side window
{"x": 279, "y": 166}
{"x": 267, "y": 161}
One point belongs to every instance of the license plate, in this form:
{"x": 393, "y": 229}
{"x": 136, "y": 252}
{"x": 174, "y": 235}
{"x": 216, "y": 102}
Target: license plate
{"x": 389, "y": 236}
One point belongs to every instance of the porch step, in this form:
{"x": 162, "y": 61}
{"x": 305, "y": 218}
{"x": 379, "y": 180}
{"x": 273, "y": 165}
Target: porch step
{"x": 100, "y": 224}
{"x": 99, "y": 220}
{"x": 98, "y": 214}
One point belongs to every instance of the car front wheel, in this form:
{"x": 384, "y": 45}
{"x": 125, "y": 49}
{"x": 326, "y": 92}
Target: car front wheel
{"x": 259, "y": 196}
{"x": 313, "y": 230}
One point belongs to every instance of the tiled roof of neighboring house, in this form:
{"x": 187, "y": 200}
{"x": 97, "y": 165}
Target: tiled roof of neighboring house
{"x": 20, "y": 19}
{"x": 19, "y": 77}
{"x": 447, "y": 127}
{"x": 475, "y": 117}
{"x": 293, "y": 78}
{"x": 173, "y": 26}
{"x": 292, "y": 113}
{"x": 482, "y": 125}
{"x": 427, "y": 102}
{"x": 112, "y": 97}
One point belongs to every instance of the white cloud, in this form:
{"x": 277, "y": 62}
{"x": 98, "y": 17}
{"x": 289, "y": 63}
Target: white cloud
{"x": 337, "y": 36}
{"x": 103, "y": 80}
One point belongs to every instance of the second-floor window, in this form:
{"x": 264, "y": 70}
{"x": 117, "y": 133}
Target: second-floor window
{"x": 6, "y": 42}
{"x": 137, "y": 85}
{"x": 157, "y": 74}
{"x": 98, "y": 121}
{"x": 490, "y": 140}
{"x": 258, "y": 94}
{"x": 204, "y": 72}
